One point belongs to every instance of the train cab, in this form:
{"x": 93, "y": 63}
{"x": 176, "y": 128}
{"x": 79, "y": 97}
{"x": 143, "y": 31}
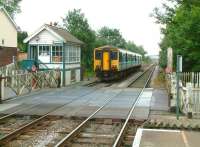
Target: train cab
{"x": 110, "y": 61}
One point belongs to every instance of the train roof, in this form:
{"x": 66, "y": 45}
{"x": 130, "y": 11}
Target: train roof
{"x": 129, "y": 52}
{"x": 120, "y": 49}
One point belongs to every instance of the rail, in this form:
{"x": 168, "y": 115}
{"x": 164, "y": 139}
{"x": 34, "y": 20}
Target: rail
{"x": 119, "y": 138}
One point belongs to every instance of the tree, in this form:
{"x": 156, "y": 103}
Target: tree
{"x": 108, "y": 36}
{"x": 21, "y": 45}
{"x": 130, "y": 45}
{"x": 12, "y": 6}
{"x": 76, "y": 23}
{"x": 182, "y": 32}
{"x": 163, "y": 53}
{"x": 113, "y": 37}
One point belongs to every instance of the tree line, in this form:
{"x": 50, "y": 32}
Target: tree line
{"x": 77, "y": 24}
{"x": 180, "y": 21}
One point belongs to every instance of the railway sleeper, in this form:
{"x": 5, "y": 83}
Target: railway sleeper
{"x": 100, "y": 140}
{"x": 89, "y": 145}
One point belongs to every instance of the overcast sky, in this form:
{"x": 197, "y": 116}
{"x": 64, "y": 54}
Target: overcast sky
{"x": 130, "y": 16}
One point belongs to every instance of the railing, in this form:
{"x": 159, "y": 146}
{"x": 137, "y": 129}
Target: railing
{"x": 189, "y": 92}
{"x": 190, "y": 77}
{"x": 19, "y": 84}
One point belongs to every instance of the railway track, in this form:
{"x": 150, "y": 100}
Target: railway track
{"x": 115, "y": 136}
{"x": 48, "y": 131}
{"x": 141, "y": 79}
{"x": 137, "y": 82}
{"x": 60, "y": 131}
{"x": 119, "y": 140}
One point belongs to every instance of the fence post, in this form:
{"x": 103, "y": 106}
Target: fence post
{"x": 1, "y": 88}
{"x": 172, "y": 85}
{"x": 189, "y": 100}
{"x": 13, "y": 78}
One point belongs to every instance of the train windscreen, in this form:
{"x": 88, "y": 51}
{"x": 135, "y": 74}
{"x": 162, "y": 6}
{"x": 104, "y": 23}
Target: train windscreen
{"x": 114, "y": 55}
{"x": 98, "y": 55}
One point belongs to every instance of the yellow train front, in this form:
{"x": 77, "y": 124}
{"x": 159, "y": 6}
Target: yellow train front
{"x": 112, "y": 63}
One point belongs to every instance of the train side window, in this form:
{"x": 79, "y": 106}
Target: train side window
{"x": 120, "y": 57}
{"x": 98, "y": 55}
{"x": 134, "y": 58}
{"x": 114, "y": 55}
{"x": 124, "y": 57}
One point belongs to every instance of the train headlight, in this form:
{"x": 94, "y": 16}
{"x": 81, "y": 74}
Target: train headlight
{"x": 114, "y": 67}
{"x": 98, "y": 67}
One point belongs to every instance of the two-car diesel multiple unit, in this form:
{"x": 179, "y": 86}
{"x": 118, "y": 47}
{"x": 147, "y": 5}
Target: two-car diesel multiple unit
{"x": 111, "y": 62}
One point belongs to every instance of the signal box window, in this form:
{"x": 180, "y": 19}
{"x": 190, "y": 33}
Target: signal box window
{"x": 114, "y": 56}
{"x": 44, "y": 50}
{"x": 98, "y": 55}
{"x": 57, "y": 53}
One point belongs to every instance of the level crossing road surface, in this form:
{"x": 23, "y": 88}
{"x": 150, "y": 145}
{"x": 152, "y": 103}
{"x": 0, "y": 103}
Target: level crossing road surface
{"x": 80, "y": 101}
{"x": 142, "y": 110}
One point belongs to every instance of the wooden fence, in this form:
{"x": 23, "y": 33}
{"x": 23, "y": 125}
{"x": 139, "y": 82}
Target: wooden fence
{"x": 17, "y": 82}
{"x": 189, "y": 92}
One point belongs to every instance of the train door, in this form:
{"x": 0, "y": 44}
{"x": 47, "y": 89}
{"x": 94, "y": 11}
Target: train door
{"x": 106, "y": 63}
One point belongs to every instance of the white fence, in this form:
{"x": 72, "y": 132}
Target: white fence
{"x": 190, "y": 77}
{"x": 189, "y": 91}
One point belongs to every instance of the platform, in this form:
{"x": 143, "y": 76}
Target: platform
{"x": 166, "y": 138}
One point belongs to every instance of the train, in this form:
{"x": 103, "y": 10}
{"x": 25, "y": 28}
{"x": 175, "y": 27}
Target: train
{"x": 113, "y": 63}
